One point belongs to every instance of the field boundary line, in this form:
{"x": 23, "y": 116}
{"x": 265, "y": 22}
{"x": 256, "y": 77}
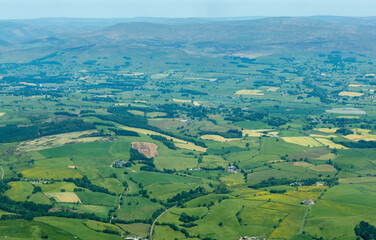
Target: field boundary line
{"x": 155, "y": 221}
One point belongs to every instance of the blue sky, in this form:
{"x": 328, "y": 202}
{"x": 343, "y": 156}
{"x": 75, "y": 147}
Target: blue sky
{"x": 16, "y": 9}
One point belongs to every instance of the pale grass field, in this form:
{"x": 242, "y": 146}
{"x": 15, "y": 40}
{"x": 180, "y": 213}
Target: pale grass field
{"x": 218, "y": 138}
{"x": 327, "y": 130}
{"x": 69, "y": 197}
{"x": 250, "y": 92}
{"x": 350, "y": 94}
{"x": 58, "y": 140}
{"x": 331, "y": 144}
{"x": 178, "y": 142}
{"x": 303, "y": 141}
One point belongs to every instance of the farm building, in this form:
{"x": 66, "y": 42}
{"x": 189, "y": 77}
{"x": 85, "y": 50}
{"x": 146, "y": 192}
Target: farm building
{"x": 307, "y": 202}
{"x": 120, "y": 164}
{"x": 251, "y": 238}
{"x": 231, "y": 169}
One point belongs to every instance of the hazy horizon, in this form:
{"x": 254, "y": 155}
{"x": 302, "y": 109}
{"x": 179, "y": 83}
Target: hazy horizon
{"x": 26, "y": 9}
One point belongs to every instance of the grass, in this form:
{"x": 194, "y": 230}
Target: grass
{"x": 250, "y": 92}
{"x": 218, "y": 138}
{"x": 69, "y": 197}
{"x": 57, "y": 140}
{"x": 112, "y": 184}
{"x": 330, "y": 144}
{"x": 22, "y": 230}
{"x": 19, "y": 191}
{"x": 303, "y": 141}
{"x": 148, "y": 178}
{"x": 138, "y": 229}
{"x": 350, "y": 94}
{"x": 178, "y": 142}
{"x": 136, "y": 208}
{"x": 76, "y": 227}
{"x": 101, "y": 211}
{"x": 97, "y": 198}
{"x": 39, "y": 198}
{"x": 58, "y": 186}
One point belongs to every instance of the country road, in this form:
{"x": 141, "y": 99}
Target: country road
{"x": 152, "y": 226}
{"x": 2, "y": 174}
{"x": 304, "y": 219}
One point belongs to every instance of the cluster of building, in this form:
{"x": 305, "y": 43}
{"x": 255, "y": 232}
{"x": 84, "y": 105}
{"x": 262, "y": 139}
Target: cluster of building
{"x": 308, "y": 202}
{"x": 250, "y": 238}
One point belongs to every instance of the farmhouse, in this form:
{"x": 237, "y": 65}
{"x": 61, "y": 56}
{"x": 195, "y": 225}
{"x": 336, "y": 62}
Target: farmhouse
{"x": 319, "y": 184}
{"x": 307, "y": 202}
{"x": 251, "y": 238}
{"x": 120, "y": 164}
{"x": 133, "y": 238}
{"x": 231, "y": 169}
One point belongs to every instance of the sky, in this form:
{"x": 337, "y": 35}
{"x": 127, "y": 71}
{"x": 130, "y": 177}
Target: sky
{"x": 25, "y": 9}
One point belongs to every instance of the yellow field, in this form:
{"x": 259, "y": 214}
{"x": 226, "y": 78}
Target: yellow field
{"x": 348, "y": 117}
{"x": 190, "y": 146}
{"x": 181, "y": 100}
{"x": 303, "y": 164}
{"x": 303, "y": 141}
{"x": 133, "y": 74}
{"x": 217, "y": 138}
{"x": 160, "y": 75}
{"x": 331, "y": 144}
{"x": 205, "y": 79}
{"x": 250, "y": 92}
{"x": 312, "y": 188}
{"x": 58, "y": 140}
{"x": 326, "y": 157}
{"x": 1, "y": 114}
{"x": 69, "y": 197}
{"x": 272, "y": 89}
{"x": 257, "y": 132}
{"x": 136, "y": 112}
{"x": 178, "y": 142}
{"x": 327, "y": 130}
{"x": 361, "y": 134}
{"x": 350, "y": 94}
{"x": 323, "y": 168}
{"x": 196, "y": 103}
{"x": 322, "y": 136}
{"x": 319, "y": 168}
{"x": 358, "y": 180}
{"x": 140, "y": 101}
{"x": 357, "y": 85}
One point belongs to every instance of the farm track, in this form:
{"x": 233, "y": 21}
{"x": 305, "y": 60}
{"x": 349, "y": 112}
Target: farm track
{"x": 2, "y": 174}
{"x": 304, "y": 219}
{"x": 155, "y": 221}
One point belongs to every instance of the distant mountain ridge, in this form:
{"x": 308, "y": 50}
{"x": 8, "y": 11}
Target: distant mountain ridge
{"x": 211, "y": 36}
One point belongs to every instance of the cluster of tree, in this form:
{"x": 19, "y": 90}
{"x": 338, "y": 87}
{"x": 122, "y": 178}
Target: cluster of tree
{"x": 277, "y": 191}
{"x": 344, "y": 131}
{"x": 168, "y": 143}
{"x": 99, "y": 99}
{"x": 68, "y": 114}
{"x": 13, "y": 133}
{"x": 122, "y": 132}
{"x": 186, "y": 196}
{"x": 84, "y": 182}
{"x": 135, "y": 155}
{"x": 122, "y": 116}
{"x": 285, "y": 181}
{"x": 192, "y": 92}
{"x": 358, "y": 144}
{"x": 276, "y": 122}
{"x": 365, "y": 230}
{"x": 185, "y": 218}
{"x": 229, "y": 134}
